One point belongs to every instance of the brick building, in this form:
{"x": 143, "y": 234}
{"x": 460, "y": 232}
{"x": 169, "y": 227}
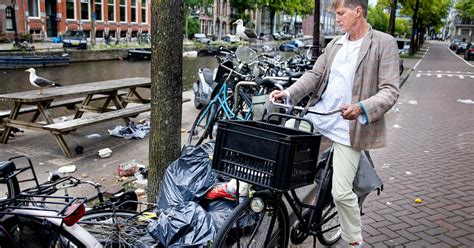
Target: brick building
{"x": 50, "y": 18}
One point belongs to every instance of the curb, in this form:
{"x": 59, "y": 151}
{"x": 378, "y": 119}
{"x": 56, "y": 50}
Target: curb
{"x": 405, "y": 79}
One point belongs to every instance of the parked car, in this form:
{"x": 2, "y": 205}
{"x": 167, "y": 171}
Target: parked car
{"x": 231, "y": 38}
{"x": 469, "y": 54}
{"x": 462, "y": 47}
{"x": 201, "y": 38}
{"x": 454, "y": 44}
{"x": 75, "y": 39}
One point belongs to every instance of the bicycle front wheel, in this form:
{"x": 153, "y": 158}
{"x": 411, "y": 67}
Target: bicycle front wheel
{"x": 204, "y": 124}
{"x": 116, "y": 228}
{"x": 246, "y": 228}
{"x": 329, "y": 229}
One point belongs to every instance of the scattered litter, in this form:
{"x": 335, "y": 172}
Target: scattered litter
{"x": 426, "y": 151}
{"x": 183, "y": 130}
{"x": 64, "y": 118}
{"x": 129, "y": 168}
{"x": 132, "y": 131}
{"x": 84, "y": 175}
{"x": 388, "y": 203}
{"x": 104, "y": 153}
{"x": 418, "y": 200}
{"x": 103, "y": 179}
{"x": 391, "y": 178}
{"x": 66, "y": 169}
{"x": 400, "y": 103}
{"x": 140, "y": 178}
{"x": 385, "y": 165}
{"x": 140, "y": 192}
{"x": 397, "y": 126}
{"x": 413, "y": 102}
{"x": 408, "y": 172}
{"x": 94, "y": 135}
{"x": 41, "y": 163}
{"x": 142, "y": 121}
{"x": 466, "y": 101}
{"x": 394, "y": 110}
{"x": 79, "y": 149}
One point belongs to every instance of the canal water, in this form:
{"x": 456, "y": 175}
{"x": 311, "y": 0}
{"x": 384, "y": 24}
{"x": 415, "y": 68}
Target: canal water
{"x": 76, "y": 73}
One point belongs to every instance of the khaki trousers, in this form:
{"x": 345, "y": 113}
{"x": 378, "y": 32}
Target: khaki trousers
{"x": 345, "y": 163}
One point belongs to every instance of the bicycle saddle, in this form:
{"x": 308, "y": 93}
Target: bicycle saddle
{"x": 6, "y": 168}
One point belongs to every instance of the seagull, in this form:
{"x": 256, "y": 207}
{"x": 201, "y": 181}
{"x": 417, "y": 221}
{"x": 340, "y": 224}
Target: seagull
{"x": 244, "y": 33}
{"x": 39, "y": 81}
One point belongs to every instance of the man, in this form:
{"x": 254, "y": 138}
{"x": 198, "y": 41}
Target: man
{"x": 358, "y": 73}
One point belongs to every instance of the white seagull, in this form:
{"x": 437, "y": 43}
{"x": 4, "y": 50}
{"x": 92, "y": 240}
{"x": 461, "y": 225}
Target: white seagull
{"x": 244, "y": 33}
{"x": 39, "y": 81}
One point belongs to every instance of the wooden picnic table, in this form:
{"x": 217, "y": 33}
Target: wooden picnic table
{"x": 110, "y": 91}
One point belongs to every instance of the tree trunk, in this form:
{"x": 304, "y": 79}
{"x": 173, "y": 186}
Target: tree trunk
{"x": 166, "y": 89}
{"x": 393, "y": 13}
{"x": 414, "y": 29}
{"x": 272, "y": 20}
{"x": 316, "y": 28}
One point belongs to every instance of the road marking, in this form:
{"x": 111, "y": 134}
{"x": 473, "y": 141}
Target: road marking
{"x": 448, "y": 72}
{"x": 469, "y": 64}
{"x": 440, "y": 75}
{"x": 417, "y": 63}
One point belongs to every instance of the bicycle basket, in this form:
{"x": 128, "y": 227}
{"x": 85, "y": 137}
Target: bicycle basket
{"x": 267, "y": 155}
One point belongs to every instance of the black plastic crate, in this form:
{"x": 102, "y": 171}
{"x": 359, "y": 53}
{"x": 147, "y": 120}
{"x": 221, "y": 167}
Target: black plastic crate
{"x": 265, "y": 154}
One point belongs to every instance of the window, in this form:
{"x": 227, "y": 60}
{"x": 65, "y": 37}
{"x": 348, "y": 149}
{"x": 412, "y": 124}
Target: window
{"x": 33, "y": 8}
{"x": 85, "y": 9}
{"x": 70, "y": 9}
{"x": 123, "y": 10}
{"x": 9, "y": 17}
{"x": 111, "y": 10}
{"x": 144, "y": 19}
{"x": 98, "y": 10}
{"x": 133, "y": 9}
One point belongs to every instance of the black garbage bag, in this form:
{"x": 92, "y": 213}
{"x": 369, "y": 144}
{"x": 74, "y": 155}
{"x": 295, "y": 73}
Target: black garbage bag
{"x": 186, "y": 225}
{"x": 188, "y": 178}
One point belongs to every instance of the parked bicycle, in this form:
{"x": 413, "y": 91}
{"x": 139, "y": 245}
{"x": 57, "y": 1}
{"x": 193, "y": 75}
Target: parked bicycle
{"x": 110, "y": 222}
{"x": 276, "y": 160}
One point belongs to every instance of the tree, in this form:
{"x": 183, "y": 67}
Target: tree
{"x": 466, "y": 8}
{"x": 316, "y": 27}
{"x": 377, "y": 18}
{"x": 166, "y": 89}
{"x": 241, "y": 6}
{"x": 393, "y": 13}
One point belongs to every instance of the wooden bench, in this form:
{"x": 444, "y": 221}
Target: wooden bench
{"x": 61, "y": 128}
{"x": 67, "y": 126}
{"x": 68, "y": 103}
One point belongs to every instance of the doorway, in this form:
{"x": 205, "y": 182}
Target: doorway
{"x": 51, "y": 24}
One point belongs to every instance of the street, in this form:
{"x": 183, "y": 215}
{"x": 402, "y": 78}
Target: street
{"x": 429, "y": 156}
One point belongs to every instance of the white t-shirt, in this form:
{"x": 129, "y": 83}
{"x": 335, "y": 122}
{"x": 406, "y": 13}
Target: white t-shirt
{"x": 338, "y": 92}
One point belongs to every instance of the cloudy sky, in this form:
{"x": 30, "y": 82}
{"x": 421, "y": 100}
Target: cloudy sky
{"x": 372, "y": 2}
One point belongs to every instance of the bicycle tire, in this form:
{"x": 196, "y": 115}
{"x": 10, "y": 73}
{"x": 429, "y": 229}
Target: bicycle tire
{"x": 328, "y": 228}
{"x": 235, "y": 234}
{"x": 30, "y": 231}
{"x": 204, "y": 123}
{"x": 116, "y": 228}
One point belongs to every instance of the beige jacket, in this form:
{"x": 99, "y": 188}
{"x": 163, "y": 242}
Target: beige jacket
{"x": 376, "y": 85}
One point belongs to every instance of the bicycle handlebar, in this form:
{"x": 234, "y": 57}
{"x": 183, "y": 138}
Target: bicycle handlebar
{"x": 287, "y": 106}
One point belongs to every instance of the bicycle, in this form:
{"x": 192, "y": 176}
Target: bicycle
{"x": 228, "y": 100}
{"x": 36, "y": 220}
{"x": 112, "y": 222}
{"x": 276, "y": 160}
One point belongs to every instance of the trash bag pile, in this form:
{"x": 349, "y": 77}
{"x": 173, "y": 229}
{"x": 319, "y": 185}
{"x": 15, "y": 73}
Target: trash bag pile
{"x": 185, "y": 219}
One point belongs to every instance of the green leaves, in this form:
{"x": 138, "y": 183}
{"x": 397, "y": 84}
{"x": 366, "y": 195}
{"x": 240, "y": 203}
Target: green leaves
{"x": 466, "y": 8}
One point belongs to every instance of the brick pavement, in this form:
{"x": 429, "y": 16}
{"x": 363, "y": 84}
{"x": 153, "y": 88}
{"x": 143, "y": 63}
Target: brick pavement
{"x": 429, "y": 156}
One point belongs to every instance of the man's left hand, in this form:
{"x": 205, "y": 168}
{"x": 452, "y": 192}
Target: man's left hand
{"x": 350, "y": 111}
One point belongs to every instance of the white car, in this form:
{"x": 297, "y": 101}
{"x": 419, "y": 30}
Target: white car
{"x": 231, "y": 38}
{"x": 201, "y": 38}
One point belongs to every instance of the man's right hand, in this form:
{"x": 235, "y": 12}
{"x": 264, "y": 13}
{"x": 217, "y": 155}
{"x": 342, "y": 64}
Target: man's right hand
{"x": 278, "y": 95}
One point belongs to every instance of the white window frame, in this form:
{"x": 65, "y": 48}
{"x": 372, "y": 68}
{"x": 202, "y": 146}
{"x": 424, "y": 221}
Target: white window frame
{"x": 88, "y": 9}
{"x": 126, "y": 11}
{"x": 74, "y": 10}
{"x": 39, "y": 11}
{"x": 136, "y": 11}
{"x": 101, "y": 3}
{"x": 113, "y": 7}
{"x": 146, "y": 11}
